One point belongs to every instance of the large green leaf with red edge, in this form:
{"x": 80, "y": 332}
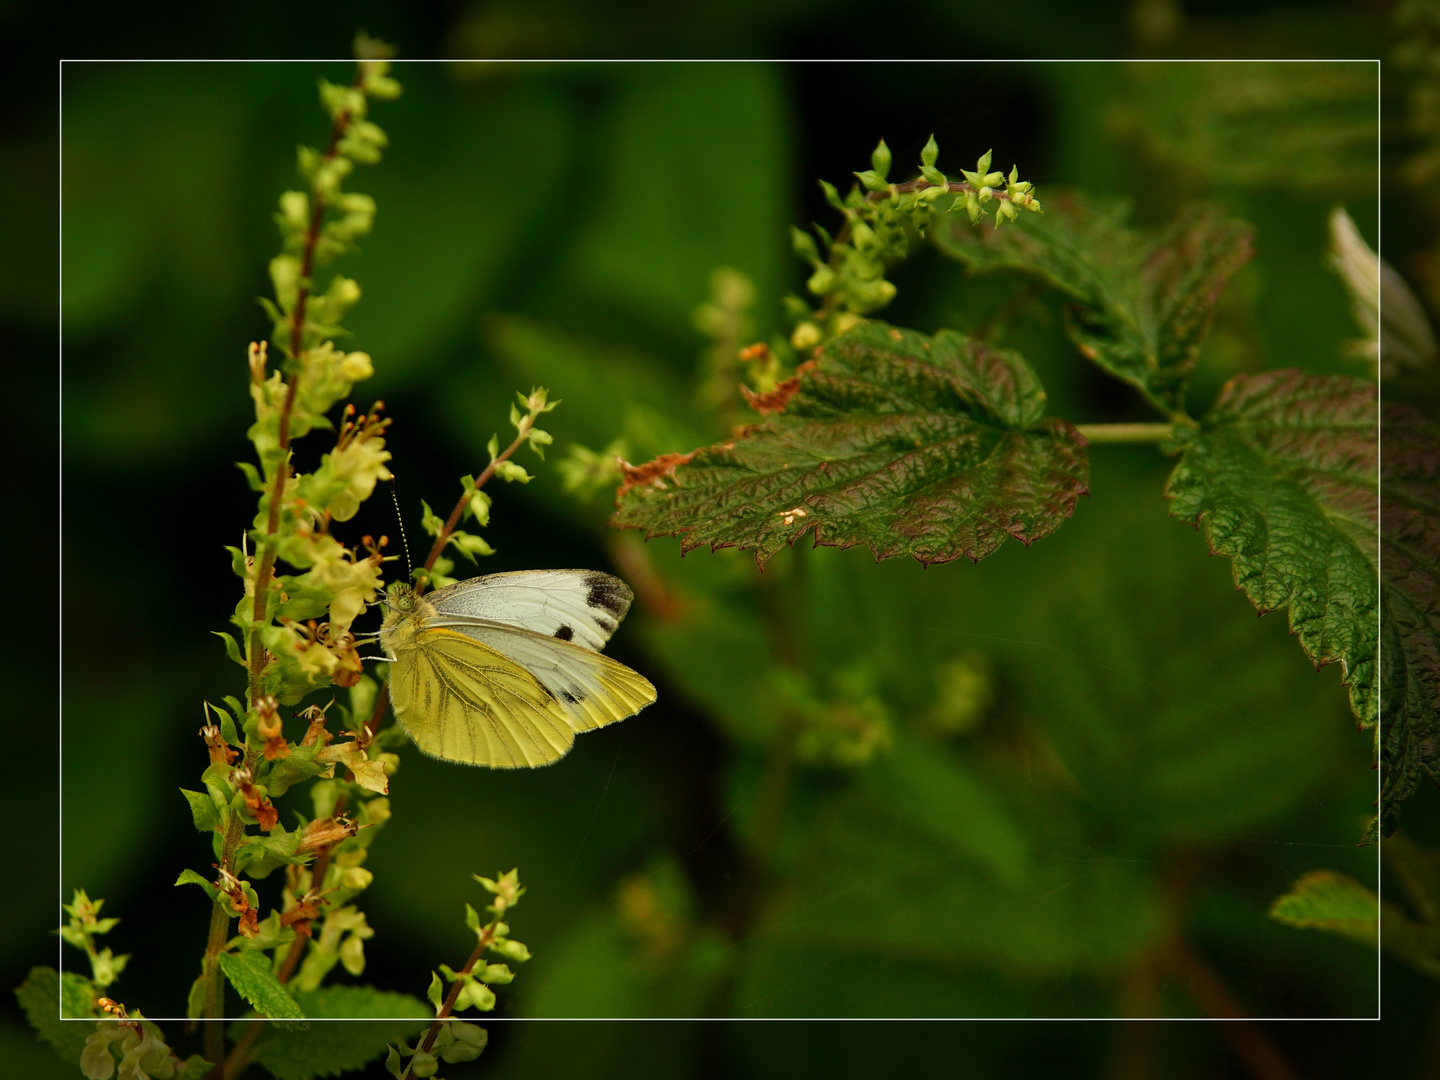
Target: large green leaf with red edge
{"x": 933, "y": 448}
{"x": 1142, "y": 302}
{"x": 1282, "y": 475}
{"x": 1409, "y": 605}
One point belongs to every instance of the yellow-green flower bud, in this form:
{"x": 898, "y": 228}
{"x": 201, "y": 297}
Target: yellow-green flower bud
{"x": 880, "y": 159}
{"x": 821, "y": 281}
{"x": 806, "y": 336}
{"x": 356, "y": 367}
{"x": 930, "y": 153}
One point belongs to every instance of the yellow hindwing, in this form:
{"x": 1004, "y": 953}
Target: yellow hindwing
{"x": 463, "y": 701}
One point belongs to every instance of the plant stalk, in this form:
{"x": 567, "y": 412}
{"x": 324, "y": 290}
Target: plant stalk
{"x": 1126, "y": 433}
{"x": 454, "y": 519}
{"x": 486, "y": 937}
{"x": 382, "y": 699}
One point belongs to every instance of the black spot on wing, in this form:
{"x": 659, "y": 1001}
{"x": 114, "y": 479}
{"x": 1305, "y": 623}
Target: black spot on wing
{"x": 608, "y": 593}
{"x": 565, "y": 633}
{"x": 568, "y": 696}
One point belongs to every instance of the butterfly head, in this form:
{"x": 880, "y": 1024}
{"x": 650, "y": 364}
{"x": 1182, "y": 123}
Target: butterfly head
{"x": 405, "y": 611}
{"x": 401, "y": 598}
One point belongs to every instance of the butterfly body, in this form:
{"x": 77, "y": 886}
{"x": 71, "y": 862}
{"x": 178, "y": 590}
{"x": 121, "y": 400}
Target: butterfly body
{"x": 504, "y": 670}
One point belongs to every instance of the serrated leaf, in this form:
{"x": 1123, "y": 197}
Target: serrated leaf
{"x": 77, "y": 996}
{"x": 1409, "y": 606}
{"x": 1327, "y": 900}
{"x": 912, "y": 446}
{"x": 1282, "y": 476}
{"x": 1141, "y": 303}
{"x": 1308, "y": 127}
{"x": 253, "y": 978}
{"x": 918, "y": 897}
{"x": 333, "y": 1049}
{"x": 39, "y": 997}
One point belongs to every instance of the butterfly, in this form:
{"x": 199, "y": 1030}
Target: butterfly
{"x": 503, "y": 670}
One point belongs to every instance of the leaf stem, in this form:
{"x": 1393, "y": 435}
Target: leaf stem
{"x": 1126, "y": 433}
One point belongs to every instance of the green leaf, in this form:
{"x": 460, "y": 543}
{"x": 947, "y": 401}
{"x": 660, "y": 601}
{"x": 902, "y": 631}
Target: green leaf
{"x": 1308, "y": 127}
{"x": 258, "y": 857}
{"x": 1142, "y": 304}
{"x": 232, "y": 649}
{"x": 190, "y": 877}
{"x": 253, "y": 978}
{"x": 872, "y": 883}
{"x": 290, "y": 770}
{"x": 933, "y": 449}
{"x": 332, "y": 1049}
{"x": 39, "y": 997}
{"x": 1326, "y": 900}
{"x": 1282, "y": 476}
{"x": 202, "y": 810}
{"x": 195, "y": 1002}
{"x": 77, "y": 996}
{"x": 1409, "y": 607}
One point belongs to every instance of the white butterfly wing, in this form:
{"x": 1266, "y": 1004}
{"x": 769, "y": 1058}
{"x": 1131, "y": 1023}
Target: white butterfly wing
{"x": 579, "y": 606}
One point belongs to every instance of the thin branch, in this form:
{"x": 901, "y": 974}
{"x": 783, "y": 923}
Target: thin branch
{"x": 382, "y": 699}
{"x": 220, "y": 917}
{"x": 454, "y": 519}
{"x": 486, "y": 937}
{"x": 1261, "y": 1058}
{"x": 955, "y": 187}
{"x": 1126, "y": 433}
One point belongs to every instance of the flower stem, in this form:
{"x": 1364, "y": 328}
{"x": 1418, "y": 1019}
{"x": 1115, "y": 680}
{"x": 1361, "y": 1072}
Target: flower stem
{"x": 238, "y": 1056}
{"x": 454, "y": 519}
{"x": 486, "y": 937}
{"x": 382, "y": 699}
{"x": 265, "y": 569}
{"x": 1126, "y": 433}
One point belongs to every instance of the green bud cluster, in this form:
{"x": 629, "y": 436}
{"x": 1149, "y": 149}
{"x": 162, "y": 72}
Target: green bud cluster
{"x": 455, "y": 1041}
{"x": 83, "y": 927}
{"x": 583, "y": 471}
{"x": 475, "y": 502}
{"x": 880, "y": 221}
{"x": 725, "y": 321}
{"x": 451, "y": 1040}
{"x": 292, "y": 521}
{"x": 845, "y": 727}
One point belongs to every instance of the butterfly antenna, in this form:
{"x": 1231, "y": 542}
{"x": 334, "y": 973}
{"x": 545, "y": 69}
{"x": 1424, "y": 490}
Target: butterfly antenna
{"x": 399, "y": 518}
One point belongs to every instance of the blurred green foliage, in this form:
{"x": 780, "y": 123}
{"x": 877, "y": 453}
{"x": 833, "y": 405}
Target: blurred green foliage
{"x": 1094, "y": 748}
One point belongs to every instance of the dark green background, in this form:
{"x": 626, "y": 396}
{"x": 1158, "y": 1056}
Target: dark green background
{"x": 1155, "y": 756}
